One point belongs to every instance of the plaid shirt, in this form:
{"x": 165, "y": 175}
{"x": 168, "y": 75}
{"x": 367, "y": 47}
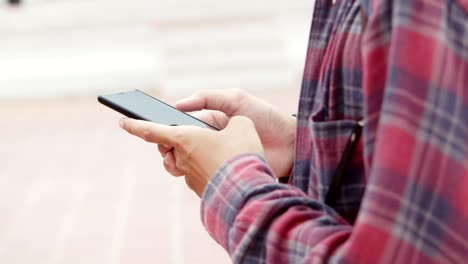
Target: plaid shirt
{"x": 404, "y": 198}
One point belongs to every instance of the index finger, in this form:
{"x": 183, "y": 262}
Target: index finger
{"x": 149, "y": 131}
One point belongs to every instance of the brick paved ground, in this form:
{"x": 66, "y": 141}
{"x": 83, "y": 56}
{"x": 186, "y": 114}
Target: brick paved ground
{"x": 74, "y": 188}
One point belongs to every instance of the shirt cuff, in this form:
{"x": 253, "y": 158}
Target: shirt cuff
{"x": 228, "y": 190}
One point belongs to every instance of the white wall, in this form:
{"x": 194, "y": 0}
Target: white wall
{"x": 53, "y": 47}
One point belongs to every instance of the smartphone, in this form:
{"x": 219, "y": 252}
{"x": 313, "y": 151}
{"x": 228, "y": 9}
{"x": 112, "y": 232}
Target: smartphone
{"x": 138, "y": 105}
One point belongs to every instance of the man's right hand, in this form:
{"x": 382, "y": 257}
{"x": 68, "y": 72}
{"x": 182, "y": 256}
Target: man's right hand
{"x": 277, "y": 130}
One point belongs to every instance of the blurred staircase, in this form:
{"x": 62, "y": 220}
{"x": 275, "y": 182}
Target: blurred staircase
{"x": 86, "y": 46}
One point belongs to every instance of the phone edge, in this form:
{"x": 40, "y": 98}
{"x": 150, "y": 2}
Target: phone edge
{"x": 103, "y": 100}
{"x": 209, "y": 126}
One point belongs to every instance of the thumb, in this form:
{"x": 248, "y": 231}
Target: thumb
{"x": 226, "y": 101}
{"x": 191, "y": 104}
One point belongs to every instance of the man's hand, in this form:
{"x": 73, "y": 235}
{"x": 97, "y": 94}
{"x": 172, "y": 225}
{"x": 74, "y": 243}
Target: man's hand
{"x": 277, "y": 130}
{"x": 198, "y": 152}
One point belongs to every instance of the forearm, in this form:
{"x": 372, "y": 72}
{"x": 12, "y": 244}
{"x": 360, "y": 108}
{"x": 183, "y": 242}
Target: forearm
{"x": 252, "y": 216}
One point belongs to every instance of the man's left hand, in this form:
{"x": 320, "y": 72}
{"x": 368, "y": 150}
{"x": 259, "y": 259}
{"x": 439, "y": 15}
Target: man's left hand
{"x": 199, "y": 152}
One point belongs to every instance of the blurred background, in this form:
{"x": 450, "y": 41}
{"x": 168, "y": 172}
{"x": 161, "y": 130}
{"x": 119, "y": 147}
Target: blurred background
{"x": 74, "y": 188}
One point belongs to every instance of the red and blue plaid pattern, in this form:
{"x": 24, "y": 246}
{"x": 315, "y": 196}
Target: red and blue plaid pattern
{"x": 405, "y": 196}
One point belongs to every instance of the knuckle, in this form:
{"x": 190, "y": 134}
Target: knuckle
{"x": 180, "y": 165}
{"x": 185, "y": 154}
{"x": 163, "y": 150}
{"x": 179, "y": 139}
{"x": 146, "y": 135}
{"x": 201, "y": 93}
{"x": 177, "y": 135}
{"x": 238, "y": 94}
{"x": 189, "y": 153}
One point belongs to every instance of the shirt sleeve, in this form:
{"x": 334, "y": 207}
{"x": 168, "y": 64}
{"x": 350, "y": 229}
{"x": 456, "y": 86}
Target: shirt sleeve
{"x": 415, "y": 59}
{"x": 258, "y": 220}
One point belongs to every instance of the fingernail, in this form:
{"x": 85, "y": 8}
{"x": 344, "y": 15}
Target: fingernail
{"x": 121, "y": 123}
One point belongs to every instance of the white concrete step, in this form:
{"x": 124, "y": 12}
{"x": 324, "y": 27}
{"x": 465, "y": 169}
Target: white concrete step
{"x": 259, "y": 32}
{"x": 66, "y": 15}
{"x": 80, "y": 61}
{"x": 254, "y": 53}
{"x": 244, "y": 80}
{"x": 75, "y": 46}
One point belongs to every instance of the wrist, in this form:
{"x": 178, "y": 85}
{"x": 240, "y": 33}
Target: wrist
{"x": 289, "y": 148}
{"x": 293, "y": 120}
{"x": 291, "y": 128}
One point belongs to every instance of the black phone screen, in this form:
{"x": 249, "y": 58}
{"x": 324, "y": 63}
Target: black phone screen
{"x": 138, "y": 105}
